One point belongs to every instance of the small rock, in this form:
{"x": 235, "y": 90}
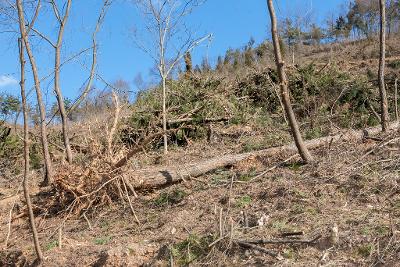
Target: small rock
{"x": 263, "y": 220}
{"x": 173, "y": 230}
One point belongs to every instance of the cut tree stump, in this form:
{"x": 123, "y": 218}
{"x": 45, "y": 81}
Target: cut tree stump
{"x": 153, "y": 177}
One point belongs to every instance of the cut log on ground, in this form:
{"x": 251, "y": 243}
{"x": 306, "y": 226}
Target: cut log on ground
{"x": 158, "y": 177}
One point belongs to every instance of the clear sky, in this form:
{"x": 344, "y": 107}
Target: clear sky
{"x": 232, "y": 23}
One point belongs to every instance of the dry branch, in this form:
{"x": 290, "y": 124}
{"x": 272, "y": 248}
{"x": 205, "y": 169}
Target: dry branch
{"x": 284, "y": 241}
{"x": 206, "y": 120}
{"x": 255, "y": 247}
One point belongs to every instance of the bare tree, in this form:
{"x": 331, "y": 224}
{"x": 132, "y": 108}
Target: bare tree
{"x": 303, "y": 151}
{"x": 26, "y": 153}
{"x": 57, "y": 61}
{"x": 165, "y": 24}
{"x": 57, "y": 65}
{"x": 381, "y": 74}
{"x": 24, "y": 30}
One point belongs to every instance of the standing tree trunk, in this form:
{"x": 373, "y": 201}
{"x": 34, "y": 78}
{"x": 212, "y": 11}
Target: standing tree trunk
{"x": 396, "y": 108}
{"x": 164, "y": 112}
{"x": 303, "y": 151}
{"x": 26, "y": 154}
{"x": 45, "y": 145}
{"x": 381, "y": 74}
{"x": 60, "y": 98}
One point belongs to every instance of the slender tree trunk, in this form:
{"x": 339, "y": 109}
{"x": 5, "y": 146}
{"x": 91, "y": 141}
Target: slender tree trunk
{"x": 396, "y": 108}
{"x": 303, "y": 151}
{"x": 45, "y": 145}
{"x": 381, "y": 74}
{"x": 26, "y": 154}
{"x": 164, "y": 112}
{"x": 60, "y": 98}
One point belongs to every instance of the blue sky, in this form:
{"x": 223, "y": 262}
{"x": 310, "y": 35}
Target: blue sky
{"x": 232, "y": 23}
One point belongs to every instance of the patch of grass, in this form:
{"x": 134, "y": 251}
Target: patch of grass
{"x": 289, "y": 253}
{"x": 365, "y": 250}
{"x": 245, "y": 177}
{"x": 191, "y": 249}
{"x": 311, "y": 210}
{"x": 253, "y": 146}
{"x": 170, "y": 198}
{"x": 282, "y": 226}
{"x": 313, "y": 133}
{"x": 104, "y": 240}
{"x": 221, "y": 176}
{"x": 104, "y": 225}
{"x": 394, "y": 64}
{"x": 243, "y": 201}
{"x": 382, "y": 230}
{"x": 295, "y": 166}
{"x": 298, "y": 209}
{"x": 299, "y": 193}
{"x": 366, "y": 231}
{"x": 51, "y": 245}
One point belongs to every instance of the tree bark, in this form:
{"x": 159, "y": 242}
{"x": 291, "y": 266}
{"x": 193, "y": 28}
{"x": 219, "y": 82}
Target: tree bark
{"x": 164, "y": 113}
{"x": 43, "y": 129}
{"x": 26, "y": 154}
{"x": 60, "y": 98}
{"x": 396, "y": 108}
{"x": 381, "y": 74}
{"x": 303, "y": 151}
{"x": 162, "y": 176}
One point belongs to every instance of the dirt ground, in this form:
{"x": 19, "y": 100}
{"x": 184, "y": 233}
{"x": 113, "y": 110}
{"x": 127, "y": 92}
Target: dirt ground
{"x": 345, "y": 207}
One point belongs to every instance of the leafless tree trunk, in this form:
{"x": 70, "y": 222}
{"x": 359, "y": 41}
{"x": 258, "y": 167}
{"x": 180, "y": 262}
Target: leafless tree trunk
{"x": 381, "y": 74}
{"x": 164, "y": 113}
{"x": 45, "y": 145}
{"x": 303, "y": 151}
{"x": 26, "y": 153}
{"x": 57, "y": 62}
{"x": 396, "y": 108}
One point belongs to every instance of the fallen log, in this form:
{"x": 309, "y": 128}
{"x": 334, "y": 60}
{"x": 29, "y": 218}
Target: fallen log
{"x": 153, "y": 177}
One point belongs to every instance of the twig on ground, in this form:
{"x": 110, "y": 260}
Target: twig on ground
{"x": 130, "y": 202}
{"x": 284, "y": 241}
{"x": 286, "y": 234}
{"x": 261, "y": 249}
{"x": 87, "y": 220}
{"x": 272, "y": 168}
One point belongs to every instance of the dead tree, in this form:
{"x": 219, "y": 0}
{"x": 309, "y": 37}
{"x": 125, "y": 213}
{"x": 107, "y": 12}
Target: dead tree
{"x": 165, "y": 22}
{"x": 381, "y": 74}
{"x": 26, "y": 152}
{"x": 43, "y": 129}
{"x": 298, "y": 139}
